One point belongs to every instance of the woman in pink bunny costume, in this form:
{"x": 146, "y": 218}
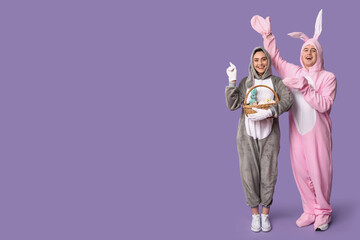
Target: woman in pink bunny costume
{"x": 314, "y": 91}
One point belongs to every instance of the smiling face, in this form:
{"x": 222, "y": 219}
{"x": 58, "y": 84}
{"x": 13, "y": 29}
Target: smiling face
{"x": 260, "y": 62}
{"x": 309, "y": 56}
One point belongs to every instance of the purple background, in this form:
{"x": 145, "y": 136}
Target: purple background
{"x": 114, "y": 124}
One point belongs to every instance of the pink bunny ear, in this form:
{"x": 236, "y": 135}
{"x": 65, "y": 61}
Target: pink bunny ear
{"x": 318, "y": 25}
{"x": 261, "y": 25}
{"x": 299, "y": 35}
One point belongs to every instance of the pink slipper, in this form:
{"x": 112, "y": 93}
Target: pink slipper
{"x": 305, "y": 219}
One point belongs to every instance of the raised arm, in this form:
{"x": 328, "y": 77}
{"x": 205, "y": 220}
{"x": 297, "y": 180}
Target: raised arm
{"x": 263, "y": 27}
{"x": 284, "y": 68}
{"x": 235, "y": 95}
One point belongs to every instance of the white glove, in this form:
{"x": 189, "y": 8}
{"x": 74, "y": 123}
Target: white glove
{"x": 260, "y": 115}
{"x": 231, "y": 72}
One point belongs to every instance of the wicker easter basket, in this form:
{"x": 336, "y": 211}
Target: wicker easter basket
{"x": 248, "y": 108}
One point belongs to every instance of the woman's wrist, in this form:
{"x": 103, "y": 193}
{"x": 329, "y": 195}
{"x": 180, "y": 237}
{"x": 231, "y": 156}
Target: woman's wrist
{"x": 232, "y": 83}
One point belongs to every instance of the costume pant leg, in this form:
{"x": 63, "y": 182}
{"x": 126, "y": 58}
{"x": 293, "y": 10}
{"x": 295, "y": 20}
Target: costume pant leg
{"x": 300, "y": 169}
{"x": 249, "y": 165}
{"x": 269, "y": 150}
{"x": 250, "y": 171}
{"x": 318, "y": 152}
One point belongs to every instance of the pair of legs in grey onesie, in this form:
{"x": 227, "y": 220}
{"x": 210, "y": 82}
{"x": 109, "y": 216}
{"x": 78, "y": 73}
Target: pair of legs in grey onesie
{"x": 258, "y": 165}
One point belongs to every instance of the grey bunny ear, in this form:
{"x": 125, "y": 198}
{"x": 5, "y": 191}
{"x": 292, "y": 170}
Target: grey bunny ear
{"x": 318, "y": 25}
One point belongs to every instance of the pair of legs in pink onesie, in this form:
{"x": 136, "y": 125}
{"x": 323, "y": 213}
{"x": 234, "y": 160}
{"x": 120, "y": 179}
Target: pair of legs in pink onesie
{"x": 312, "y": 168}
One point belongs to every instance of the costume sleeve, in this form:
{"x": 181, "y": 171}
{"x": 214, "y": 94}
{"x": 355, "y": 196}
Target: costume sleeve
{"x": 282, "y": 67}
{"x": 321, "y": 100}
{"x": 285, "y": 97}
{"x": 235, "y": 95}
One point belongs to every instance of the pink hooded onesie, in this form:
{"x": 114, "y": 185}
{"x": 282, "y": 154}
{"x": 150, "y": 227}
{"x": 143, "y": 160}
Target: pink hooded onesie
{"x": 314, "y": 91}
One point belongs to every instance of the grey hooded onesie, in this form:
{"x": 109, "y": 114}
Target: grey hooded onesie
{"x": 258, "y": 157}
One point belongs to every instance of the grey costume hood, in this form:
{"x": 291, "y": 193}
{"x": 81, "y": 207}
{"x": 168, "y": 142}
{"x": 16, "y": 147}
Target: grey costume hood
{"x": 252, "y": 72}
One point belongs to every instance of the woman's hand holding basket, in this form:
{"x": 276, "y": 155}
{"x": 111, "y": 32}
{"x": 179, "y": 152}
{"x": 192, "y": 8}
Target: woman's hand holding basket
{"x": 260, "y": 114}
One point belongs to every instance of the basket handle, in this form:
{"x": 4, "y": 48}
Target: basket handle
{"x": 276, "y": 96}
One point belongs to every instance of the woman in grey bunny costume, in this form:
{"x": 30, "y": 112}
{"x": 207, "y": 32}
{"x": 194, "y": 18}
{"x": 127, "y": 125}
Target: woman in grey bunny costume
{"x": 258, "y": 135}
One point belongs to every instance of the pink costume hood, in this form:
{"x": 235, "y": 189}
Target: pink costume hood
{"x": 319, "y": 65}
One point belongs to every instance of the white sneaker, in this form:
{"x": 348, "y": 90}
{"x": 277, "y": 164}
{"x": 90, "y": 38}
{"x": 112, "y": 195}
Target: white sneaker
{"x": 322, "y": 222}
{"x": 323, "y": 227}
{"x": 255, "y": 223}
{"x": 265, "y": 223}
